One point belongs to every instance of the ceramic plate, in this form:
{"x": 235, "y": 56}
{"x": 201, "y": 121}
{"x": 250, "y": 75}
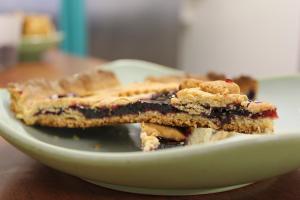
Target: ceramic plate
{"x": 110, "y": 156}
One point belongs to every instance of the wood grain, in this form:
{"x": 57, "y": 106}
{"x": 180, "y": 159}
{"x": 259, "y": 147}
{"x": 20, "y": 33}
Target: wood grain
{"x": 22, "y": 178}
{"x": 54, "y": 64}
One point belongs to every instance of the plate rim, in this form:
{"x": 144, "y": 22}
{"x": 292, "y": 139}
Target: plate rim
{"x": 217, "y": 146}
{"x": 63, "y": 158}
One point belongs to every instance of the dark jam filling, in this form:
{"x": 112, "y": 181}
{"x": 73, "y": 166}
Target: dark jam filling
{"x": 134, "y": 108}
{"x": 161, "y": 103}
{"x": 225, "y": 114}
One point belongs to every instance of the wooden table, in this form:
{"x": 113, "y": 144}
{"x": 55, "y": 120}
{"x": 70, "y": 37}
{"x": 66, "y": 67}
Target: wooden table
{"x": 22, "y": 178}
{"x": 54, "y": 64}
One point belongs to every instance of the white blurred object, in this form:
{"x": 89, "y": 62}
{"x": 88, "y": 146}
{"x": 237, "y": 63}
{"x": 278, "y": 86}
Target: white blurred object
{"x": 10, "y": 26}
{"x": 256, "y": 37}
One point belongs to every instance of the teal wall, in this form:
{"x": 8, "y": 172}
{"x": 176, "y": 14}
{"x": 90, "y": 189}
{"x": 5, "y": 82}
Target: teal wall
{"x": 72, "y": 22}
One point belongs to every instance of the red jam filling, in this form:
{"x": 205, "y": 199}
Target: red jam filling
{"x": 270, "y": 113}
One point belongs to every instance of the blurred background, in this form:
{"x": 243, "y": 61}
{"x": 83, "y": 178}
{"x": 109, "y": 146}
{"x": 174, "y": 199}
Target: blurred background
{"x": 253, "y": 37}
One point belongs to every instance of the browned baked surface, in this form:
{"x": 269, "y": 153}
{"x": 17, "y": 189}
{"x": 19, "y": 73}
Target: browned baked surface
{"x": 247, "y": 84}
{"x": 39, "y": 91}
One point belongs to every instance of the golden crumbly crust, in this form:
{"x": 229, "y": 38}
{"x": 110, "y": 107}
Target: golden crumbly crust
{"x": 214, "y": 87}
{"x": 145, "y": 88}
{"x": 149, "y": 142}
{"x": 26, "y": 95}
{"x": 248, "y": 85}
{"x": 195, "y": 93}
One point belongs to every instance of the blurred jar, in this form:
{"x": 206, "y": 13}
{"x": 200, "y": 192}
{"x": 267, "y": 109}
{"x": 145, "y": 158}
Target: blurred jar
{"x": 10, "y": 35}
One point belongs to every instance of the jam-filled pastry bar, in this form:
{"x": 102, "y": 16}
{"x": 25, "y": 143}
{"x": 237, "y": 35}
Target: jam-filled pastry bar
{"x": 193, "y": 103}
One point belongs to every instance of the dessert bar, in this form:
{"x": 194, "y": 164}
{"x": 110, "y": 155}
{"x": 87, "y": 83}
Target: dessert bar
{"x": 97, "y": 99}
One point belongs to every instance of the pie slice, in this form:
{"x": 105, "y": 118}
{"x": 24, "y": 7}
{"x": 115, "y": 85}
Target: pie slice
{"x": 248, "y": 85}
{"x": 80, "y": 102}
{"x": 154, "y": 137}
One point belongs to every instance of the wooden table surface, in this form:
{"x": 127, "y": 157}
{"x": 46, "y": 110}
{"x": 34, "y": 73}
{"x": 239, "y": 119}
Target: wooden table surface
{"x": 54, "y": 64}
{"x": 22, "y": 178}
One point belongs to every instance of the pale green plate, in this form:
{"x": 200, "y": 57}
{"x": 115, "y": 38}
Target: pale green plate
{"x": 117, "y": 162}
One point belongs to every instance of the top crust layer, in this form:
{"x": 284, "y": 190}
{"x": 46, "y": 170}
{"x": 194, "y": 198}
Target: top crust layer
{"x": 25, "y": 95}
{"x": 214, "y": 87}
{"x": 247, "y": 85}
{"x": 215, "y": 94}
